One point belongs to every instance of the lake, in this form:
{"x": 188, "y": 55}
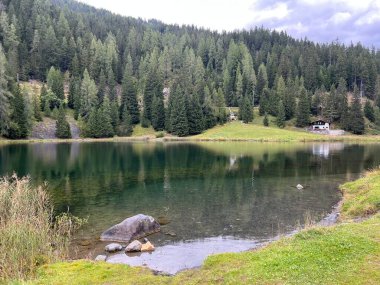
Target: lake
{"x": 217, "y": 196}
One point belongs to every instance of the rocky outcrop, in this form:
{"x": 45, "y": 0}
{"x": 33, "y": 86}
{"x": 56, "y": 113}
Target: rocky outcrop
{"x": 131, "y": 228}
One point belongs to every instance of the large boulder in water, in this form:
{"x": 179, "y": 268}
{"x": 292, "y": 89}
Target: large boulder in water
{"x": 131, "y": 228}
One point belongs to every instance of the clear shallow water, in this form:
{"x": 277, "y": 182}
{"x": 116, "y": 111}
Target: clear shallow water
{"x": 219, "y": 192}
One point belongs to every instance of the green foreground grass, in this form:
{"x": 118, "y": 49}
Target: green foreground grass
{"x": 347, "y": 253}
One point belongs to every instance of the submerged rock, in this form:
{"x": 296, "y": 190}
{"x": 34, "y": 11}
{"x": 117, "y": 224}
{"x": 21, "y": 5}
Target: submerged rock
{"x": 101, "y": 258}
{"x": 112, "y": 247}
{"x": 134, "y": 246}
{"x": 147, "y": 247}
{"x": 299, "y": 186}
{"x": 171, "y": 233}
{"x": 131, "y": 228}
{"x": 163, "y": 220}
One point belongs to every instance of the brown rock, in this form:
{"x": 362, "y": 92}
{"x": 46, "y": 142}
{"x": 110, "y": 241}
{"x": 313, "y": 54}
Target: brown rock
{"x": 147, "y": 247}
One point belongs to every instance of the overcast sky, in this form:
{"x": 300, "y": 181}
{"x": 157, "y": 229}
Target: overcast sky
{"x": 318, "y": 20}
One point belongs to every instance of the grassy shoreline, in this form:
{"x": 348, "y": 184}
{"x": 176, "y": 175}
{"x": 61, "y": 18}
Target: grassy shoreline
{"x": 233, "y": 131}
{"x": 347, "y": 253}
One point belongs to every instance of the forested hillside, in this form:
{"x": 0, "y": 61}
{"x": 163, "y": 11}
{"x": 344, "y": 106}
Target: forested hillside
{"x": 115, "y": 72}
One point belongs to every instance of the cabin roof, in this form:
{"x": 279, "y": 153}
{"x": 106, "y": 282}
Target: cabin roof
{"x": 318, "y": 122}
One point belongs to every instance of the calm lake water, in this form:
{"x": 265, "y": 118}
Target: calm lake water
{"x": 227, "y": 196}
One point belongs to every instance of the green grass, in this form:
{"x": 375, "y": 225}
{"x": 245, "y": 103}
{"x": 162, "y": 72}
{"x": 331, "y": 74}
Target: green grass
{"x": 139, "y": 131}
{"x": 361, "y": 197}
{"x": 257, "y": 132}
{"x": 347, "y": 253}
{"x": 88, "y": 272}
{"x": 239, "y": 131}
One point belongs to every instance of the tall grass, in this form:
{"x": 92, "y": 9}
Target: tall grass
{"x": 29, "y": 236}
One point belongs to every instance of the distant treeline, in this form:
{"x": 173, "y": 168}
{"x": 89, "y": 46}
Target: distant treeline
{"x": 116, "y": 69}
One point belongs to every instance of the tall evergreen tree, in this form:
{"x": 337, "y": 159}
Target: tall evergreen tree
{"x": 105, "y": 128}
{"x": 303, "y": 109}
{"x": 129, "y": 94}
{"x": 266, "y": 120}
{"x": 92, "y": 126}
{"x": 37, "y": 108}
{"x": 88, "y": 95}
{"x": 369, "y": 112}
{"x": 280, "y": 120}
{"x": 195, "y": 117}
{"x": 62, "y": 127}
{"x": 55, "y": 83}
{"x": 178, "y": 116}
{"x": 19, "y": 122}
{"x": 158, "y": 113}
{"x": 74, "y": 92}
{"x": 262, "y": 81}
{"x": 126, "y": 127}
{"x": 356, "y": 115}
{"x": 5, "y": 95}
{"x": 220, "y": 106}
{"x": 246, "y": 111}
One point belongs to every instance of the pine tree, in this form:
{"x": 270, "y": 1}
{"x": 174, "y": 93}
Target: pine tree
{"x": 158, "y": 114}
{"x": 303, "y": 109}
{"x": 281, "y": 115}
{"x": 264, "y": 102}
{"x": 62, "y": 127}
{"x": 55, "y": 113}
{"x": 105, "y": 128}
{"x": 265, "y": 120}
{"x": 195, "y": 117}
{"x": 102, "y": 86}
{"x": 92, "y": 127}
{"x": 55, "y": 83}
{"x": 246, "y": 110}
{"x": 290, "y": 100}
{"x": 37, "y": 108}
{"x": 369, "y": 112}
{"x": 356, "y": 115}
{"x": 74, "y": 90}
{"x": 178, "y": 116}
{"x": 19, "y": 122}
{"x": 5, "y": 95}
{"x": 126, "y": 127}
{"x": 262, "y": 81}
{"x": 47, "y": 110}
{"x": 220, "y": 106}
{"x": 129, "y": 94}
{"x": 377, "y": 92}
{"x": 341, "y": 93}
{"x": 115, "y": 114}
{"x": 88, "y": 95}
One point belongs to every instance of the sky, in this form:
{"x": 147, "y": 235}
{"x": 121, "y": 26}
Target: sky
{"x": 322, "y": 21}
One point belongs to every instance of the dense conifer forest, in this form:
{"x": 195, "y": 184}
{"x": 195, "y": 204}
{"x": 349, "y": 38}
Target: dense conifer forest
{"x": 114, "y": 72}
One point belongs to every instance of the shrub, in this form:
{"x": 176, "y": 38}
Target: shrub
{"x": 29, "y": 236}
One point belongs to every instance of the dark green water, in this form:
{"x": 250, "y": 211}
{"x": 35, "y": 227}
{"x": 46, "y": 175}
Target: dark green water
{"x": 243, "y": 190}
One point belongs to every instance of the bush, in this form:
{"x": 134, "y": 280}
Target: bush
{"x": 28, "y": 235}
{"x": 160, "y": 135}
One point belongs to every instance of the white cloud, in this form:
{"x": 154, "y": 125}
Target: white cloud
{"x": 297, "y": 28}
{"x": 340, "y": 17}
{"x": 278, "y": 11}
